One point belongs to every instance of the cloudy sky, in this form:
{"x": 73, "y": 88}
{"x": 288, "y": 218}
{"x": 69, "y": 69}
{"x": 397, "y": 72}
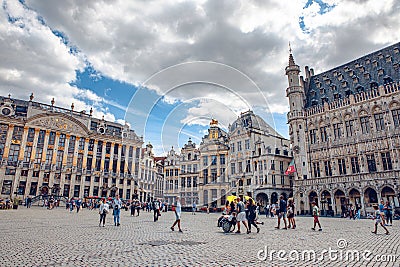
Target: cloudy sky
{"x": 168, "y": 66}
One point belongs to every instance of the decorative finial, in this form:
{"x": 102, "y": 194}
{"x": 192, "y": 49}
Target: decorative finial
{"x": 53, "y": 101}
{"x": 31, "y": 97}
{"x": 72, "y": 106}
{"x": 91, "y": 111}
{"x": 9, "y": 96}
{"x": 102, "y": 118}
{"x": 290, "y": 48}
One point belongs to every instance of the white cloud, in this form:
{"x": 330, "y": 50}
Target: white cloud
{"x": 131, "y": 40}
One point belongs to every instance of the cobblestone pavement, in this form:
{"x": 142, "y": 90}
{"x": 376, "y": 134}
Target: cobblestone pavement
{"x": 40, "y": 237}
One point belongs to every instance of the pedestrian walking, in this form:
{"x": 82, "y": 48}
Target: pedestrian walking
{"x": 117, "y": 205}
{"x": 251, "y": 215}
{"x": 178, "y": 210}
{"x": 378, "y": 220}
{"x": 266, "y": 209}
{"x": 133, "y": 208}
{"x": 316, "y": 216}
{"x": 241, "y": 216}
{"x": 103, "y": 211}
{"x": 382, "y": 211}
{"x": 138, "y": 207}
{"x": 388, "y": 213}
{"x": 156, "y": 209}
{"x": 194, "y": 207}
{"x": 78, "y": 205}
{"x": 282, "y": 212}
{"x": 290, "y": 213}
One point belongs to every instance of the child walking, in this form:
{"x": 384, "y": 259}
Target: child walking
{"x": 316, "y": 216}
{"x": 378, "y": 220}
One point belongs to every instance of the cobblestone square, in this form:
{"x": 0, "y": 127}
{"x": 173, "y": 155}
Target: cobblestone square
{"x": 40, "y": 237}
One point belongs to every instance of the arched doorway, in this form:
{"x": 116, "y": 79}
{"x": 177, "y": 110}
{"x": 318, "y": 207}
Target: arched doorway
{"x": 274, "y": 198}
{"x": 388, "y": 194}
{"x": 262, "y": 199}
{"x": 354, "y": 197}
{"x": 370, "y": 197}
{"x": 313, "y": 196}
{"x": 340, "y": 202}
{"x": 326, "y": 202}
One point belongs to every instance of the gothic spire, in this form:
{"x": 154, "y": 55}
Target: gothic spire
{"x": 291, "y": 59}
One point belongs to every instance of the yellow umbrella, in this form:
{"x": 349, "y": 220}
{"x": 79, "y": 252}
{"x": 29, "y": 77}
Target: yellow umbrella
{"x": 249, "y": 198}
{"x": 231, "y": 198}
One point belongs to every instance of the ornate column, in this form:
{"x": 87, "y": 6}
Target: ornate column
{"x": 64, "y": 163}
{"x": 45, "y": 147}
{"x": 20, "y": 160}
{"x": 8, "y": 141}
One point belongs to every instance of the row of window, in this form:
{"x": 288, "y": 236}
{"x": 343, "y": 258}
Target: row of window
{"x": 349, "y": 127}
{"x": 185, "y": 182}
{"x": 257, "y": 166}
{"x": 354, "y": 163}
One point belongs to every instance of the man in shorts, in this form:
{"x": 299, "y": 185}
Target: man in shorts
{"x": 281, "y": 212}
{"x": 241, "y": 216}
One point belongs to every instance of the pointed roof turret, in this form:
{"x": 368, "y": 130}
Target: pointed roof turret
{"x": 291, "y": 59}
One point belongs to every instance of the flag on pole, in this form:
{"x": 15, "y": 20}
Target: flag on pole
{"x": 291, "y": 169}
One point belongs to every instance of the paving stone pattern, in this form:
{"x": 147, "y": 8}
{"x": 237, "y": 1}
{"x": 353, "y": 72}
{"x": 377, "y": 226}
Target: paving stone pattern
{"x": 40, "y": 237}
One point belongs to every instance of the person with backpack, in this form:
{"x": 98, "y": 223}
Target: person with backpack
{"x": 117, "y": 205}
{"x": 103, "y": 211}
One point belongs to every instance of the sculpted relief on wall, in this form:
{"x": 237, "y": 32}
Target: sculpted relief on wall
{"x": 59, "y": 124}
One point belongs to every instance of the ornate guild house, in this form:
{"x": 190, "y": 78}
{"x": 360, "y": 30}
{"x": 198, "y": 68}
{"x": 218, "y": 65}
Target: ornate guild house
{"x": 345, "y": 132}
{"x": 47, "y": 150}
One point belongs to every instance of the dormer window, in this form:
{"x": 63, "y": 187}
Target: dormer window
{"x": 380, "y": 55}
{"x": 387, "y": 79}
{"x": 351, "y": 73}
{"x": 388, "y": 58}
{"x": 355, "y": 79}
{"x": 346, "y": 68}
{"x": 314, "y": 102}
{"x": 367, "y": 76}
{"x": 396, "y": 50}
{"x": 333, "y": 87}
{"x": 324, "y": 99}
{"x": 359, "y": 89}
{"x": 328, "y": 81}
{"x": 340, "y": 77}
{"x": 361, "y": 69}
{"x": 367, "y": 61}
{"x": 347, "y": 92}
{"x": 375, "y": 63}
{"x": 336, "y": 96}
{"x": 396, "y": 66}
{"x": 344, "y": 84}
{"x": 335, "y": 73}
{"x": 381, "y": 71}
{"x": 318, "y": 84}
{"x": 322, "y": 91}
{"x": 373, "y": 85}
{"x": 357, "y": 65}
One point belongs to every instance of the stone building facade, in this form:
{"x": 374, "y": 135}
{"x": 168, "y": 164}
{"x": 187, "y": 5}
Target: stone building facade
{"x": 171, "y": 176}
{"x": 345, "y": 132}
{"x": 258, "y": 159}
{"x": 214, "y": 183}
{"x": 47, "y": 150}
